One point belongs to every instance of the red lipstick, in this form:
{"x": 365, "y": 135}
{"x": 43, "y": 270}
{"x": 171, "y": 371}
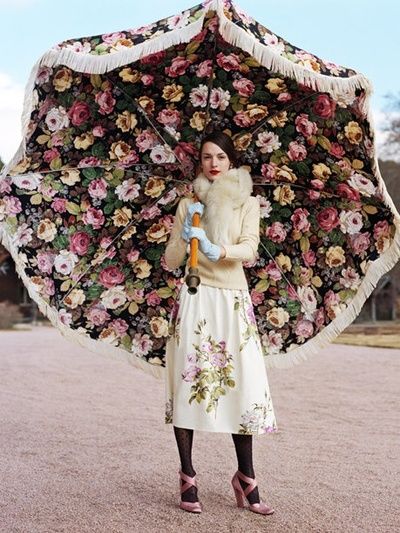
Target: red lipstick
{"x": 214, "y": 172}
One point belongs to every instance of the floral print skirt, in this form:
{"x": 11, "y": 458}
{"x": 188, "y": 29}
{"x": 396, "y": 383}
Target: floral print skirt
{"x": 216, "y": 378}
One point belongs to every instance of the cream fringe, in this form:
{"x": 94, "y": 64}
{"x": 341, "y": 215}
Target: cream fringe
{"x": 231, "y": 33}
{"x": 80, "y": 337}
{"x": 269, "y": 59}
{"x": 376, "y": 270}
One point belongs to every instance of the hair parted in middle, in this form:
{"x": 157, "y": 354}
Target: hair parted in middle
{"x": 222, "y": 140}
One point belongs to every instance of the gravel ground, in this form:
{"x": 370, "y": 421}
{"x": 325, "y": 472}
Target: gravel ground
{"x": 84, "y": 447}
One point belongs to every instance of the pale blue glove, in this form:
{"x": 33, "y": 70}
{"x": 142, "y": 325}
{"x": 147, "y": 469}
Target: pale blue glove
{"x": 210, "y": 250}
{"x": 187, "y": 223}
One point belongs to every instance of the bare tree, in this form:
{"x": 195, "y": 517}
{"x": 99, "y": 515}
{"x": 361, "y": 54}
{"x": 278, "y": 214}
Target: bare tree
{"x": 390, "y": 171}
{"x": 392, "y": 126}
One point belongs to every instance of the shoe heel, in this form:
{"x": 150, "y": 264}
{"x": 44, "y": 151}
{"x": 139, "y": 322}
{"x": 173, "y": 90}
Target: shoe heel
{"x": 239, "y": 498}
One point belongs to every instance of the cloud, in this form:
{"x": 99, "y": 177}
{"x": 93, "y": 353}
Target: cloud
{"x": 11, "y": 104}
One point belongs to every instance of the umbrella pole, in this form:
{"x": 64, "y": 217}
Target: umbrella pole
{"x": 193, "y": 279}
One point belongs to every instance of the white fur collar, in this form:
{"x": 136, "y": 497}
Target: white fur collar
{"x": 221, "y": 197}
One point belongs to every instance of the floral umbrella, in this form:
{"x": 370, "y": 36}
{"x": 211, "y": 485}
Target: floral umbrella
{"x": 112, "y": 125}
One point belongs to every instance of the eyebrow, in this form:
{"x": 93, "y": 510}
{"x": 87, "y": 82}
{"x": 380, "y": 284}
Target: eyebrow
{"x": 208, "y": 153}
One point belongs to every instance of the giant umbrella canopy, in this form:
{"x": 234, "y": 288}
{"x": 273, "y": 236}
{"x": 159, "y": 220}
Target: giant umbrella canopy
{"x": 111, "y": 129}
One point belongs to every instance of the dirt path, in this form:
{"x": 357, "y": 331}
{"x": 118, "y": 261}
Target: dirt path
{"x": 84, "y": 447}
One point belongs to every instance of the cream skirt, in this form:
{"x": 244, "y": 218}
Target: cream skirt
{"x": 216, "y": 378}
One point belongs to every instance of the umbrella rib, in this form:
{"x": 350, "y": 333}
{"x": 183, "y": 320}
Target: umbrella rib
{"x": 102, "y": 257}
{"x": 106, "y": 167}
{"x": 259, "y": 126}
{"x": 210, "y": 87}
{"x": 140, "y": 109}
{"x": 283, "y": 274}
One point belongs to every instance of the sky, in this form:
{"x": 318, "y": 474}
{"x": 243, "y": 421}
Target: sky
{"x": 361, "y": 34}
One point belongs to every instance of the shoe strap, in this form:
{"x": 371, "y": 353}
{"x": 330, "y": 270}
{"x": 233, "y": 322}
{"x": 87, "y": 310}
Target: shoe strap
{"x": 194, "y": 506}
{"x": 190, "y": 481}
{"x": 252, "y": 483}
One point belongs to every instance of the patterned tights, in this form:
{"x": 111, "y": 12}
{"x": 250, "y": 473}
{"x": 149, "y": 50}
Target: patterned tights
{"x": 244, "y": 453}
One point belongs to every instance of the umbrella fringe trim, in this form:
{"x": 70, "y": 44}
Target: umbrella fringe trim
{"x": 230, "y": 32}
{"x": 99, "y": 64}
{"x": 94, "y": 345}
{"x": 266, "y": 57}
{"x": 295, "y": 356}
{"x": 376, "y": 270}
{"x": 95, "y": 65}
{"x": 236, "y": 36}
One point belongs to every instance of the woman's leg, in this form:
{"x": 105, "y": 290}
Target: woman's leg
{"x": 184, "y": 440}
{"x": 244, "y": 453}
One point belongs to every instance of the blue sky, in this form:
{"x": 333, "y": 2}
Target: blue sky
{"x": 362, "y": 34}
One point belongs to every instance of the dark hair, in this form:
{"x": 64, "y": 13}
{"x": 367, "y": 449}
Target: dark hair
{"x": 224, "y": 142}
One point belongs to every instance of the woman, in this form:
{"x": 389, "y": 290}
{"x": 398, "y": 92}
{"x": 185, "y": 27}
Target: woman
{"x": 216, "y": 377}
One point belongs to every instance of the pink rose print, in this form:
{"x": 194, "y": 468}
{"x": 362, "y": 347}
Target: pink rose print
{"x": 309, "y": 258}
{"x": 276, "y": 232}
{"x": 79, "y": 113}
{"x": 300, "y": 220}
{"x": 345, "y": 191}
{"x": 324, "y": 107}
{"x": 297, "y": 151}
{"x": 49, "y": 155}
{"x": 178, "y": 67}
{"x": 152, "y": 298}
{"x": 229, "y": 62}
{"x": 147, "y": 79}
{"x": 94, "y": 217}
{"x": 305, "y": 126}
{"x": 98, "y": 188}
{"x": 97, "y": 315}
{"x": 79, "y": 243}
{"x": 119, "y": 326}
{"x": 304, "y": 329}
{"x": 45, "y": 261}
{"x": 381, "y": 229}
{"x": 337, "y": 150}
{"x": 244, "y": 87}
{"x": 257, "y": 297}
{"x": 204, "y": 69}
{"x": 328, "y": 219}
{"x": 111, "y": 276}
{"x": 105, "y": 101}
{"x": 59, "y": 205}
{"x": 360, "y": 242}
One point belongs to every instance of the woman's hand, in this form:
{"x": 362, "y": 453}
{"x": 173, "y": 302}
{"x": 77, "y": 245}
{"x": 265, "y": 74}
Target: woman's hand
{"x": 197, "y": 207}
{"x": 210, "y": 250}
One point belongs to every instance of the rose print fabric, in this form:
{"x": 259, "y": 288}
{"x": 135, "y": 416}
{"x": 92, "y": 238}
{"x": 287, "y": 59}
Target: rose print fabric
{"x": 216, "y": 377}
{"x": 112, "y": 131}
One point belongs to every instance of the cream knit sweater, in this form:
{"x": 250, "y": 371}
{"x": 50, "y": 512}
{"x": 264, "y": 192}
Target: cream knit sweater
{"x": 243, "y": 238}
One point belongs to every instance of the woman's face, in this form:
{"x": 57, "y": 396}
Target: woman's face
{"x": 214, "y": 161}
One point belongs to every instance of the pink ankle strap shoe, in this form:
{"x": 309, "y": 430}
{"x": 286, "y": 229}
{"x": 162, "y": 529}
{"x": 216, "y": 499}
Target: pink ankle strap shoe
{"x": 241, "y": 495}
{"x": 192, "y": 507}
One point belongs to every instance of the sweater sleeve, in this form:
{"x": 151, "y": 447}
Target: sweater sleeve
{"x": 176, "y": 249}
{"x": 249, "y": 239}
